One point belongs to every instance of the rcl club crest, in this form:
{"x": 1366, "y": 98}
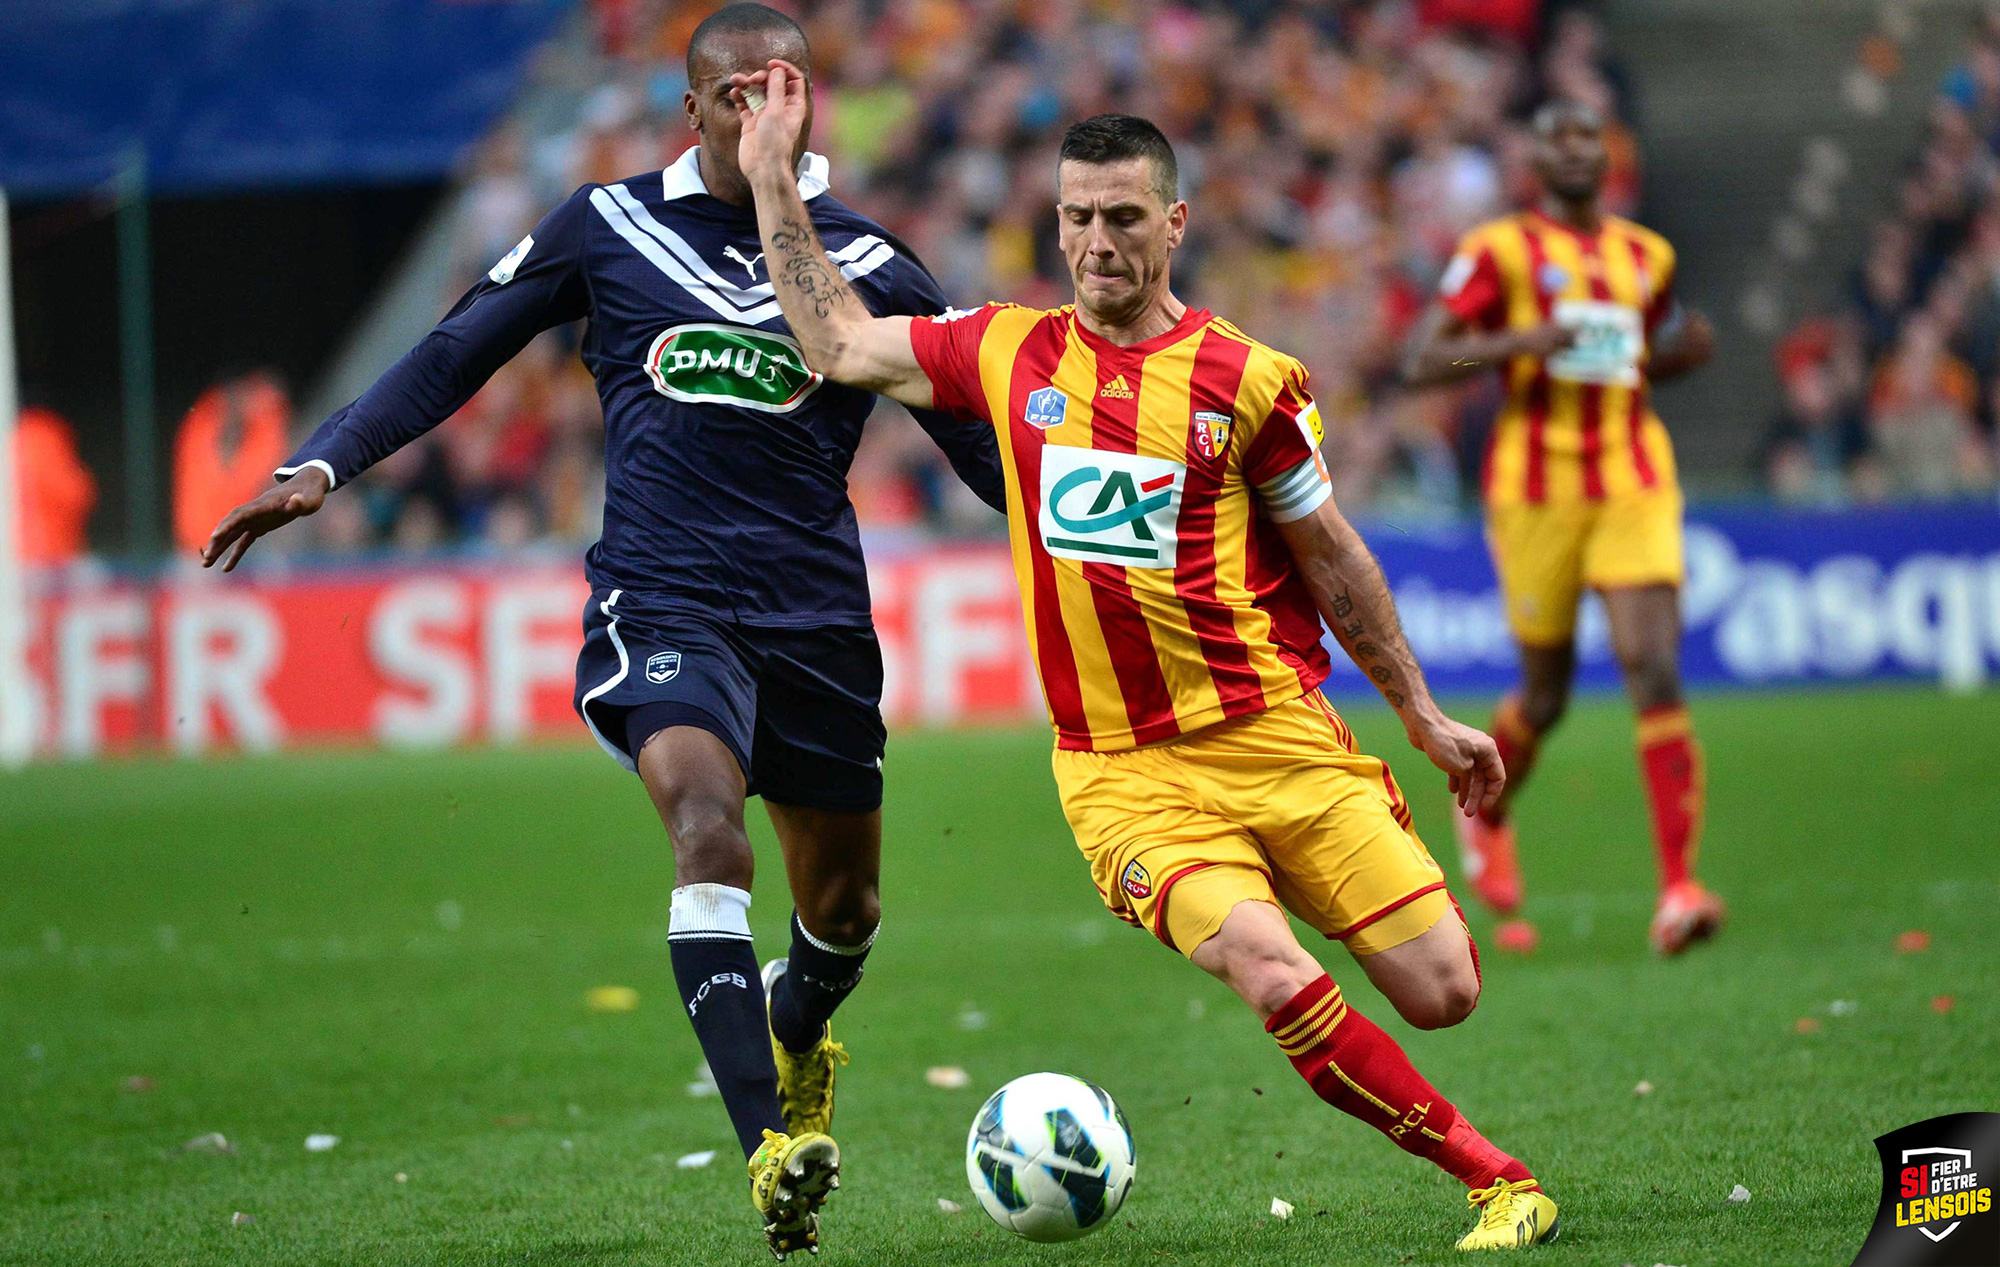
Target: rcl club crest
{"x": 1211, "y": 433}
{"x": 1135, "y": 880}
{"x": 1937, "y": 1195}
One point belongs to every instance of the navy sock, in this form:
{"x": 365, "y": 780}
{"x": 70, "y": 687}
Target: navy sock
{"x": 715, "y": 966}
{"x": 816, "y": 980}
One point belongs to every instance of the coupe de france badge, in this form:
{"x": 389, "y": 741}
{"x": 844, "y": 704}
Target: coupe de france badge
{"x": 663, "y": 666}
{"x": 1937, "y": 1195}
{"x": 1045, "y": 408}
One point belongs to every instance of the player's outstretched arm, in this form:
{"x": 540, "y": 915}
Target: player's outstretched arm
{"x": 1445, "y": 348}
{"x": 1353, "y": 598}
{"x": 841, "y": 338}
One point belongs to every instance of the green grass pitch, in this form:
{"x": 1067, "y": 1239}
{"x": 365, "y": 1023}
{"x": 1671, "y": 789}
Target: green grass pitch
{"x": 272, "y": 944}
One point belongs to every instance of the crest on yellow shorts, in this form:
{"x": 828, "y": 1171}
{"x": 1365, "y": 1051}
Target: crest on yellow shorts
{"x": 1135, "y": 880}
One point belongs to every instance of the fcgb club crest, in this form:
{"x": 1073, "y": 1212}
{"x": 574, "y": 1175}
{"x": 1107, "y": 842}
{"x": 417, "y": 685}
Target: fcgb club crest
{"x": 1135, "y": 880}
{"x": 1211, "y": 433}
{"x": 663, "y": 666}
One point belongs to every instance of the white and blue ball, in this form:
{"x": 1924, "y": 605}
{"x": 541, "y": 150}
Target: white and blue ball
{"x": 1050, "y": 1157}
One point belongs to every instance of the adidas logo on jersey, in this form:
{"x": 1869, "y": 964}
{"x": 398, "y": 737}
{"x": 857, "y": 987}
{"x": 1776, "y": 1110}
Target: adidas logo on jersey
{"x": 1116, "y": 389}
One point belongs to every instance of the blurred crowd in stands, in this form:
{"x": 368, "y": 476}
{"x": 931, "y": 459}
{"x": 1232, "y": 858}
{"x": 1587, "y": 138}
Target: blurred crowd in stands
{"x": 1333, "y": 151}
{"x": 1896, "y": 394}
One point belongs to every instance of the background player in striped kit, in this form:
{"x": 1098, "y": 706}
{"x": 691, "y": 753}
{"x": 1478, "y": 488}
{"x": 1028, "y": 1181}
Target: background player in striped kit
{"x": 1577, "y": 309}
{"x": 1176, "y": 548}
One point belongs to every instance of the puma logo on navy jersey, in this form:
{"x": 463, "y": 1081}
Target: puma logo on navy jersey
{"x": 749, "y": 265}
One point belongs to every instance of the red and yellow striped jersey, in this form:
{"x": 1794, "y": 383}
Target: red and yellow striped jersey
{"x": 1144, "y": 484}
{"x": 1579, "y": 424}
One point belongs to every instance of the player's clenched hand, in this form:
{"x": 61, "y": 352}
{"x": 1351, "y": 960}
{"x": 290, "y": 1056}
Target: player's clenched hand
{"x": 1544, "y": 340}
{"x": 301, "y": 495}
{"x": 1468, "y": 757}
{"x": 771, "y": 130}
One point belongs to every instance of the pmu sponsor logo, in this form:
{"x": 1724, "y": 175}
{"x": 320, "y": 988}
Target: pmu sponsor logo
{"x": 710, "y": 364}
{"x": 1120, "y": 508}
{"x": 1937, "y": 1205}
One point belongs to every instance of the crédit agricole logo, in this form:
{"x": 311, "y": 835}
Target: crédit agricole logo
{"x": 1103, "y": 507}
{"x": 708, "y": 364}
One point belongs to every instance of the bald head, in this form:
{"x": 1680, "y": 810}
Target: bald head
{"x": 742, "y": 39}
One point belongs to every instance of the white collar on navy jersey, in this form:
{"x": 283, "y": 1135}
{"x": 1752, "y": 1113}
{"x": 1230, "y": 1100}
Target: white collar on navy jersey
{"x": 684, "y": 177}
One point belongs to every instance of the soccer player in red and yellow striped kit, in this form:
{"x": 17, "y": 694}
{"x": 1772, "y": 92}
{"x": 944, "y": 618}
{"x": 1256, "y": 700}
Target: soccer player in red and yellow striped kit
{"x": 1577, "y": 309}
{"x": 1177, "y": 550}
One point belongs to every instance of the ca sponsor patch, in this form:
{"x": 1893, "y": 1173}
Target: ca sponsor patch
{"x": 1119, "y": 508}
{"x": 1211, "y": 432}
{"x": 711, "y": 364}
{"x": 1135, "y": 880}
{"x": 1937, "y": 1195}
{"x": 663, "y": 666}
{"x": 1045, "y": 408}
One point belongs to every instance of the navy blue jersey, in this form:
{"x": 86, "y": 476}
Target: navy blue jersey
{"x": 726, "y": 458}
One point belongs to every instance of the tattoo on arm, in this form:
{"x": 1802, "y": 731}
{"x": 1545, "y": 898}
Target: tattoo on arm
{"x": 1362, "y": 614}
{"x": 803, "y": 266}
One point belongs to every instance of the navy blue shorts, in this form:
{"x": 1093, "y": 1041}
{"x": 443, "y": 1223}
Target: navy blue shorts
{"x": 800, "y": 708}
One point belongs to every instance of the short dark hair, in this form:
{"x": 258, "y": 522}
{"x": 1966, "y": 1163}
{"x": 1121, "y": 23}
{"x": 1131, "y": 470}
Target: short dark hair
{"x": 1113, "y": 138}
{"x": 743, "y": 19}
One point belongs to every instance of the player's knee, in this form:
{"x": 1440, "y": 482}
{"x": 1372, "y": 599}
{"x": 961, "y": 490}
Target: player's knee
{"x": 842, "y": 915}
{"x": 1542, "y": 709}
{"x": 1443, "y": 1001}
{"x": 1267, "y": 978}
{"x": 1654, "y": 680}
{"x": 710, "y": 845}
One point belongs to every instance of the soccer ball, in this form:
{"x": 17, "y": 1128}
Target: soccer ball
{"x": 1050, "y": 1157}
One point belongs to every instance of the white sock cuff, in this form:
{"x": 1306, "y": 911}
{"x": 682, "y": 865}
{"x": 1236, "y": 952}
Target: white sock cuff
{"x": 709, "y": 912}
{"x": 799, "y": 926}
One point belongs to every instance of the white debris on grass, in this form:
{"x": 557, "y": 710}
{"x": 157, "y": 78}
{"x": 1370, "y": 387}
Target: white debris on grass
{"x": 1644, "y": 1088}
{"x": 948, "y": 1077}
{"x": 1739, "y": 1194}
{"x": 213, "y": 1142}
{"x": 1843, "y": 1007}
{"x": 949, "y": 1206}
{"x": 239, "y": 1218}
{"x": 695, "y": 1161}
{"x": 1281, "y": 1208}
{"x": 401, "y": 1177}
{"x": 971, "y": 1019}
{"x": 569, "y": 1145}
{"x": 321, "y": 1143}
{"x": 703, "y": 1085}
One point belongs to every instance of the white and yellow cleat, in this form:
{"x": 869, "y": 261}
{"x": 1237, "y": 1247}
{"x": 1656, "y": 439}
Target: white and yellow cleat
{"x": 1511, "y": 1216}
{"x": 805, "y": 1079}
{"x": 791, "y": 1177}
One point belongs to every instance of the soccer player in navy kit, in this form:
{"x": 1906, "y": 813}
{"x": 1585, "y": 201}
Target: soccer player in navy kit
{"x": 728, "y": 646}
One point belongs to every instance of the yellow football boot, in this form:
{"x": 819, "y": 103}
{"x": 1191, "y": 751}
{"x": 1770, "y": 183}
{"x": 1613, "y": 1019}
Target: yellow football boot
{"x": 791, "y": 1177}
{"x": 805, "y": 1079}
{"x": 1511, "y": 1216}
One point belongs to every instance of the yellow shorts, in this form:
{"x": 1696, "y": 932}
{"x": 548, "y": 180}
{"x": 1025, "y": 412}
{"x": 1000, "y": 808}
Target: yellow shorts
{"x": 1546, "y": 554}
{"x": 1276, "y": 807}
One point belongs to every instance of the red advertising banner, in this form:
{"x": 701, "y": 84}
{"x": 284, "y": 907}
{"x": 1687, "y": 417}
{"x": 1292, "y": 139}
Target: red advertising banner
{"x": 441, "y": 654}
